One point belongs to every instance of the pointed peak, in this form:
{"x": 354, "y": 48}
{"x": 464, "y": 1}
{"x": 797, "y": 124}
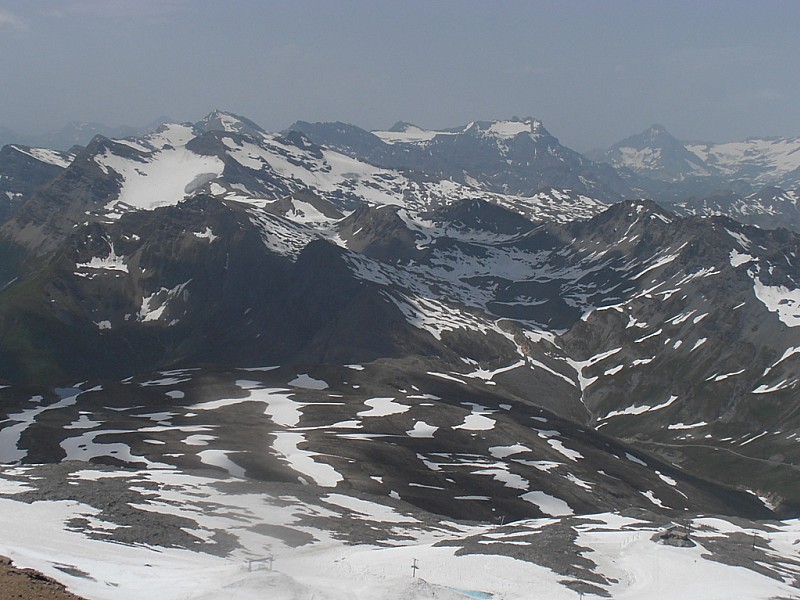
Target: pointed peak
{"x": 404, "y": 126}
{"x": 220, "y": 120}
{"x": 656, "y": 136}
{"x": 641, "y": 206}
{"x": 656, "y": 131}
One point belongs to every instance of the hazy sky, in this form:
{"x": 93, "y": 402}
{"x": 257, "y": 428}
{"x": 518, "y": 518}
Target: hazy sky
{"x": 594, "y": 72}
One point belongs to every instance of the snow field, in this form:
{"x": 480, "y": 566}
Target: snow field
{"x": 163, "y": 178}
{"x": 35, "y": 535}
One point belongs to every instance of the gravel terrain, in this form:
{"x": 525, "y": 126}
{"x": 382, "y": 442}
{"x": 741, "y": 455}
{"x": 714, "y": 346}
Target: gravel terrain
{"x": 27, "y": 584}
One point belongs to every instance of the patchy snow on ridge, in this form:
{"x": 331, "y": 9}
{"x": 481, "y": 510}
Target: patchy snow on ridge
{"x": 739, "y": 258}
{"x": 207, "y": 235}
{"x": 638, "y": 410}
{"x": 548, "y": 504}
{"x": 510, "y": 129}
{"x": 422, "y": 429}
{"x": 410, "y": 134}
{"x": 305, "y": 381}
{"x": 286, "y": 445}
{"x": 171, "y": 134}
{"x": 476, "y": 422}
{"x": 640, "y": 160}
{"x": 153, "y": 306}
{"x": 771, "y": 157}
{"x": 45, "y": 155}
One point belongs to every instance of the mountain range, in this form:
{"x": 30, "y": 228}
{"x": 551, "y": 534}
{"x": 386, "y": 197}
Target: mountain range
{"x": 75, "y": 134}
{"x": 477, "y": 323}
{"x": 518, "y": 156}
{"x": 671, "y": 170}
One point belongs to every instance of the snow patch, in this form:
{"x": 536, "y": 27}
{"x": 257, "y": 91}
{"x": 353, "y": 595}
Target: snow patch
{"x": 738, "y": 258}
{"x": 422, "y": 430}
{"x": 163, "y": 178}
{"x": 112, "y": 262}
{"x": 383, "y": 407}
{"x": 780, "y": 300}
{"x": 549, "y": 505}
{"x": 307, "y": 382}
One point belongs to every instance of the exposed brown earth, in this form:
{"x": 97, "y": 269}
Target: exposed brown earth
{"x": 27, "y": 584}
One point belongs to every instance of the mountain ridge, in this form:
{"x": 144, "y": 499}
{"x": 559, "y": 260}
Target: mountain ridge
{"x": 518, "y": 157}
{"x": 609, "y": 330}
{"x": 698, "y": 168}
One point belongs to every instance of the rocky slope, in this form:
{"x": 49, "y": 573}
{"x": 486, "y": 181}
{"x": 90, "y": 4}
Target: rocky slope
{"x": 27, "y": 584}
{"x": 23, "y": 170}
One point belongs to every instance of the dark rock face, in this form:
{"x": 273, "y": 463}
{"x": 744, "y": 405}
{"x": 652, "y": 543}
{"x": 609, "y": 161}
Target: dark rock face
{"x": 181, "y": 298}
{"x": 674, "y": 536}
{"x": 379, "y": 233}
{"x": 352, "y": 141}
{"x": 44, "y": 221}
{"x": 479, "y": 215}
{"x": 22, "y": 173}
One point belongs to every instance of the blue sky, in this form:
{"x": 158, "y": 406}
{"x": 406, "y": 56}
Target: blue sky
{"x": 594, "y": 72}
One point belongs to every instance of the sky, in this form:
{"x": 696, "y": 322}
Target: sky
{"x": 594, "y": 72}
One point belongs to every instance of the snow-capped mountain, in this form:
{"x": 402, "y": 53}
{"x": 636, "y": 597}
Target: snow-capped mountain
{"x": 233, "y": 159}
{"x": 656, "y": 154}
{"x": 670, "y": 170}
{"x": 518, "y": 156}
{"x": 215, "y": 299}
{"x": 761, "y": 161}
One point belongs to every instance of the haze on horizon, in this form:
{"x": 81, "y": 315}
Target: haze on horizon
{"x": 593, "y": 72}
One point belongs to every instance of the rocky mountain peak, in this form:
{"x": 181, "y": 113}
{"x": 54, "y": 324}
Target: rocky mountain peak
{"x": 656, "y": 154}
{"x": 655, "y": 136}
{"x": 656, "y": 130}
{"x": 219, "y": 120}
{"x": 402, "y": 127}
